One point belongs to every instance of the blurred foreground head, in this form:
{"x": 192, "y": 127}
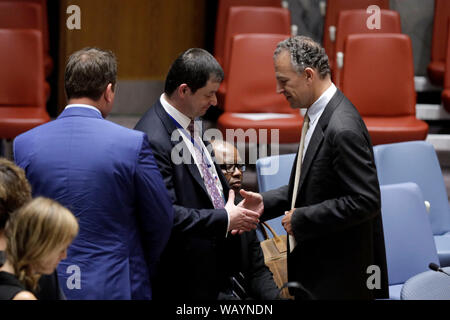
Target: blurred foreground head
{"x": 38, "y": 235}
{"x": 15, "y": 190}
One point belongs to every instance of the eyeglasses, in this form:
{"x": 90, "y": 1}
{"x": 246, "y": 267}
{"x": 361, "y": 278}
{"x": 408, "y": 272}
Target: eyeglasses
{"x": 229, "y": 168}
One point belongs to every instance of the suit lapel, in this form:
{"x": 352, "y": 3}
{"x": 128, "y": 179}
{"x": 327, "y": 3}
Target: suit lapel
{"x": 318, "y": 136}
{"x": 171, "y": 127}
{"x": 313, "y": 146}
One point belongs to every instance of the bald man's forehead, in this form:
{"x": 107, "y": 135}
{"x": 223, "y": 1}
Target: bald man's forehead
{"x": 225, "y": 153}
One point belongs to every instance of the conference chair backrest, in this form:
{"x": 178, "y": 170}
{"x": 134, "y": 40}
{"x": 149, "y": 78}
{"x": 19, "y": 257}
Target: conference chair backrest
{"x": 439, "y": 39}
{"x": 22, "y": 69}
{"x": 20, "y": 15}
{"x": 251, "y": 85}
{"x": 378, "y": 74}
{"x": 222, "y": 20}
{"x": 407, "y": 232}
{"x": 416, "y": 161}
{"x": 355, "y": 22}
{"x": 274, "y": 171}
{"x": 254, "y": 20}
{"x": 331, "y": 18}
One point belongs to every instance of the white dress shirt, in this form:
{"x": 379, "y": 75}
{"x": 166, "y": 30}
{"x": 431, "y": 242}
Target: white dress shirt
{"x": 315, "y": 111}
{"x": 80, "y": 105}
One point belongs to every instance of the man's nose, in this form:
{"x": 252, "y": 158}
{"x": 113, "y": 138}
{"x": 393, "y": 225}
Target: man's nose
{"x": 214, "y": 100}
{"x": 280, "y": 88}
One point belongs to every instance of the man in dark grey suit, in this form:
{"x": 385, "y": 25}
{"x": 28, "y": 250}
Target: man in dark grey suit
{"x": 333, "y": 218}
{"x": 201, "y": 254}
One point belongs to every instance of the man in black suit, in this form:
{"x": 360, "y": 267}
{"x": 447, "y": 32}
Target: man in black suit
{"x": 253, "y": 275}
{"x": 201, "y": 253}
{"x": 333, "y": 218}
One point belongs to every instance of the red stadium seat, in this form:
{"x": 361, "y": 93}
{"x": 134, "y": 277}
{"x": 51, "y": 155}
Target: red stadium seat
{"x": 354, "y": 21}
{"x": 251, "y": 20}
{"x": 23, "y": 15}
{"x": 378, "y": 78}
{"x": 436, "y": 67}
{"x": 252, "y": 89}
{"x": 331, "y": 19}
{"x": 222, "y": 20}
{"x": 446, "y": 91}
{"x": 48, "y": 62}
{"x": 22, "y": 102}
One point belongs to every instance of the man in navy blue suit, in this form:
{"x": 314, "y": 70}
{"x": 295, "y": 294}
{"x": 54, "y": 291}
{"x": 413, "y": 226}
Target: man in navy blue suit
{"x": 107, "y": 176}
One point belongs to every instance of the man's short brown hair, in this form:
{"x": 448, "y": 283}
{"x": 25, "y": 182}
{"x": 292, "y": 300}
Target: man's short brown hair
{"x": 88, "y": 73}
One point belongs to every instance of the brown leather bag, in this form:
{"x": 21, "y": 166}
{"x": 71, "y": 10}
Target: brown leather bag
{"x": 275, "y": 257}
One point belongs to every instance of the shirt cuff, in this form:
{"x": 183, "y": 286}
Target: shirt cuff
{"x": 228, "y": 223}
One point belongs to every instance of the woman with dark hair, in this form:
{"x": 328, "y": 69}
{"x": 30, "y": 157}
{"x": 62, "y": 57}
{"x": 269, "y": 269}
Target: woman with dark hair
{"x": 38, "y": 235}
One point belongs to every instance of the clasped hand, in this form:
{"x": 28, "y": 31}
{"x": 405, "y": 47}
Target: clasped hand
{"x": 245, "y": 216}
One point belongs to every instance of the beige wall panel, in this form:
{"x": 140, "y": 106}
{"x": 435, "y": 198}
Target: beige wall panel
{"x": 145, "y": 35}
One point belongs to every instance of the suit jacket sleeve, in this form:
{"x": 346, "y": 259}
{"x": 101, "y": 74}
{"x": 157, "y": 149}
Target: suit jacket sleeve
{"x": 155, "y": 213}
{"x": 276, "y": 202}
{"x": 208, "y": 222}
{"x": 358, "y": 182}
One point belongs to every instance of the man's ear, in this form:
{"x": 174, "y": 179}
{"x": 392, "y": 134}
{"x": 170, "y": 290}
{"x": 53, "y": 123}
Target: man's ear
{"x": 109, "y": 93}
{"x": 183, "y": 89}
{"x": 310, "y": 73}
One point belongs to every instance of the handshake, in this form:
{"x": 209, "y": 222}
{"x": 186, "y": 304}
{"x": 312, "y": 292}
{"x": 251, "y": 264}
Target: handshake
{"x": 244, "y": 216}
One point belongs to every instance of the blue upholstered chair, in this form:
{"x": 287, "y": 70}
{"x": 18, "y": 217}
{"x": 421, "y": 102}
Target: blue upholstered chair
{"x": 407, "y": 233}
{"x": 274, "y": 172}
{"x": 416, "y": 161}
{"x": 428, "y": 285}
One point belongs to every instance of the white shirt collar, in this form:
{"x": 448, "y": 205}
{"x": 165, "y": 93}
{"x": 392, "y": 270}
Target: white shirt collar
{"x": 80, "y": 105}
{"x": 181, "y": 118}
{"x": 317, "y": 108}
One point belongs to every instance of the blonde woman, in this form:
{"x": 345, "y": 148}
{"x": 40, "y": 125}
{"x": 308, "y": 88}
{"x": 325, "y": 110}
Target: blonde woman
{"x": 38, "y": 235}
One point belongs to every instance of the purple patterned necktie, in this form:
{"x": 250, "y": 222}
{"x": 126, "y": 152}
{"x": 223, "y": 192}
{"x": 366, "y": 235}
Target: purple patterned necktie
{"x": 208, "y": 179}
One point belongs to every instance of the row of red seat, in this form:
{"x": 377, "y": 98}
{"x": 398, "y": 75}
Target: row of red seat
{"x": 29, "y": 14}
{"x": 333, "y": 9}
{"x": 25, "y": 63}
{"x": 377, "y": 75}
{"x": 446, "y": 92}
{"x": 247, "y": 19}
{"x": 436, "y": 67}
{"x": 249, "y": 86}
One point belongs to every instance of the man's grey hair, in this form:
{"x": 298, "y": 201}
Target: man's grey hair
{"x": 305, "y": 52}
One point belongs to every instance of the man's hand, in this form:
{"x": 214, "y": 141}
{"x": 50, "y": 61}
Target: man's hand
{"x": 286, "y": 221}
{"x": 241, "y": 219}
{"x": 252, "y": 201}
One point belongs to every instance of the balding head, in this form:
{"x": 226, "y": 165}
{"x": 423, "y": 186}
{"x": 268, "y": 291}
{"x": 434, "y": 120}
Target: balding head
{"x": 227, "y": 156}
{"x": 225, "y": 152}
